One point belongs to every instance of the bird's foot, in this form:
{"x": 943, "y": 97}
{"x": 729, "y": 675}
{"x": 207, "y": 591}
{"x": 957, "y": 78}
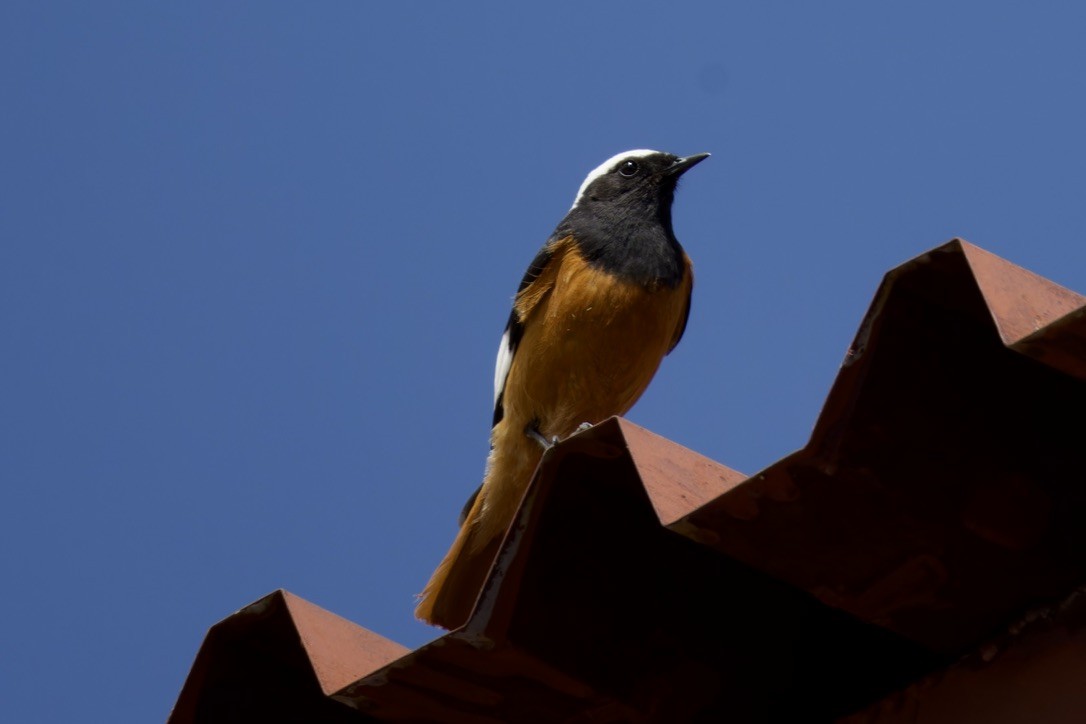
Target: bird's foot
{"x": 533, "y": 432}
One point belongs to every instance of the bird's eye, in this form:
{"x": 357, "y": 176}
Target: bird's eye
{"x": 628, "y": 169}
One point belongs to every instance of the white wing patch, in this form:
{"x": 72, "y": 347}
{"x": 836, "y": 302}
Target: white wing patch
{"x": 501, "y": 368}
{"x": 607, "y": 165}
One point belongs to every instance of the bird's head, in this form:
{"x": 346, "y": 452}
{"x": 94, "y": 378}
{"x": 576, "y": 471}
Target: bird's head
{"x": 640, "y": 180}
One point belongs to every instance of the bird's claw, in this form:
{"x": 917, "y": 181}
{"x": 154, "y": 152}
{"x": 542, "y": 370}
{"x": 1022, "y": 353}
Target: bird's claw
{"x": 533, "y": 432}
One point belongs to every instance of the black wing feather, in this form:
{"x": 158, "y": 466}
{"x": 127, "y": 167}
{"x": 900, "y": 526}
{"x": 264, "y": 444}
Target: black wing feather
{"x": 514, "y": 327}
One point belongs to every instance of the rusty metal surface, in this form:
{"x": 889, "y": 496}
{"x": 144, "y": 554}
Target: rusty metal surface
{"x": 941, "y": 495}
{"x": 278, "y": 659}
{"x": 1034, "y": 672}
{"x": 944, "y": 486}
{"x": 1033, "y": 315}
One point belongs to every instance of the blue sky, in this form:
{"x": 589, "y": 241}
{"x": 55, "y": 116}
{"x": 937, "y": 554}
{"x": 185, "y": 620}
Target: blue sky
{"x": 255, "y": 260}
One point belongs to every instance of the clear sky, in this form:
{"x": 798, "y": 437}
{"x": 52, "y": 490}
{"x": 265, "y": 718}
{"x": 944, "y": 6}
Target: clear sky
{"x": 256, "y": 257}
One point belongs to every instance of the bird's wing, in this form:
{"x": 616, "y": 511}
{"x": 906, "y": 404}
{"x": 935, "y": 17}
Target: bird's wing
{"x": 534, "y": 287}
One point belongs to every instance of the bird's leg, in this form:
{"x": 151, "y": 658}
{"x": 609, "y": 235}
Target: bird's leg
{"x": 532, "y": 431}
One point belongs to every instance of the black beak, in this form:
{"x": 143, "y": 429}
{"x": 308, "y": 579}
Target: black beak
{"x": 685, "y": 164}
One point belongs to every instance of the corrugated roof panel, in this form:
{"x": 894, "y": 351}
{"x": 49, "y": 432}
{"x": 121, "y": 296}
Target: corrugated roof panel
{"x": 942, "y": 493}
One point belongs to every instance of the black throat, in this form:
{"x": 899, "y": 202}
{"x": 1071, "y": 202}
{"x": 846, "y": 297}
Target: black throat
{"x": 630, "y": 237}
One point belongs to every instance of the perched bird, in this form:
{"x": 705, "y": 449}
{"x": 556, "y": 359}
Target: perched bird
{"x": 602, "y": 303}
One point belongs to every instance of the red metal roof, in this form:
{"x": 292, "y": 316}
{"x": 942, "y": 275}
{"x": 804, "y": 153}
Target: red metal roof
{"x": 1033, "y": 673}
{"x": 942, "y": 494}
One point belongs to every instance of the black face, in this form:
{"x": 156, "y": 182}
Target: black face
{"x": 644, "y": 177}
{"x": 622, "y": 217}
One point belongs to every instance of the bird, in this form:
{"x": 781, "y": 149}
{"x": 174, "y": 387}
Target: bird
{"x": 604, "y": 300}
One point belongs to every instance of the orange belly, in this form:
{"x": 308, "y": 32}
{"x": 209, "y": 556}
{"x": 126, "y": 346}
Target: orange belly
{"x": 590, "y": 348}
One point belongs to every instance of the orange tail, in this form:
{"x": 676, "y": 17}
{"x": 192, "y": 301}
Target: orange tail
{"x": 449, "y": 597}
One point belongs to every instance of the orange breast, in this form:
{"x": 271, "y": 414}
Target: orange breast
{"x": 591, "y": 345}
